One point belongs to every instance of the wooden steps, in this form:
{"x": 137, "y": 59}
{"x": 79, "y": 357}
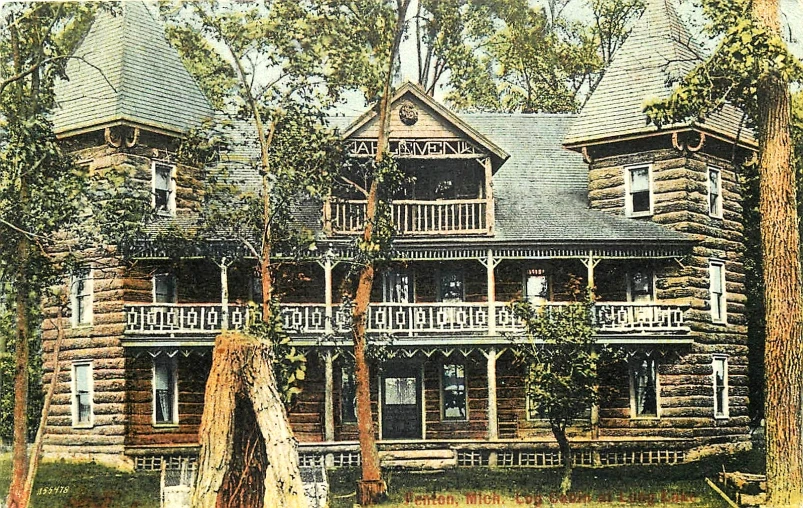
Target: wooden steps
{"x": 431, "y": 459}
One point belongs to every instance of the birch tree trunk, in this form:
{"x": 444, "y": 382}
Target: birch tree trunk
{"x": 780, "y": 244}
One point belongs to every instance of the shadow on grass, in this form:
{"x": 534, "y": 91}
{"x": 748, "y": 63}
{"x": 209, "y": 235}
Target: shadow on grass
{"x": 660, "y": 485}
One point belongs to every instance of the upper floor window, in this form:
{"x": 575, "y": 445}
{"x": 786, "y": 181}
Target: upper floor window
{"x": 81, "y": 296}
{"x": 643, "y": 386}
{"x": 714, "y": 192}
{"x": 397, "y": 286}
{"x": 717, "y": 290}
{"x": 451, "y": 286}
{"x": 165, "y": 391}
{"x": 82, "y": 394}
{"x": 453, "y": 392}
{"x": 164, "y": 188}
{"x": 638, "y": 194}
{"x": 640, "y": 286}
{"x": 164, "y": 288}
{"x": 720, "y": 374}
{"x": 536, "y": 286}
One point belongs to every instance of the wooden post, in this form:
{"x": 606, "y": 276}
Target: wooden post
{"x": 489, "y": 266}
{"x": 329, "y": 403}
{"x": 493, "y": 422}
{"x": 489, "y": 195}
{"x": 493, "y": 418}
{"x": 224, "y": 294}
{"x": 327, "y": 275}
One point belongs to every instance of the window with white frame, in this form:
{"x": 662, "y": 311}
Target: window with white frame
{"x": 643, "y": 386}
{"x": 451, "y": 289}
{"x": 348, "y": 396}
{"x": 164, "y": 188}
{"x": 720, "y": 378}
{"x": 165, "y": 390}
{"x": 717, "y": 290}
{"x": 638, "y": 199}
{"x": 714, "y": 192}
{"x": 454, "y": 401}
{"x": 82, "y": 394}
{"x": 164, "y": 288}
{"x": 81, "y": 288}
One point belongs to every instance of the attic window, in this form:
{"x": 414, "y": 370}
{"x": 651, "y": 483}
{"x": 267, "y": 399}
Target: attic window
{"x": 164, "y": 188}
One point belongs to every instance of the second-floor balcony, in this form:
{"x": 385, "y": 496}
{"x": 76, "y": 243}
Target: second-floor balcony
{"x": 448, "y": 320}
{"x": 414, "y": 217}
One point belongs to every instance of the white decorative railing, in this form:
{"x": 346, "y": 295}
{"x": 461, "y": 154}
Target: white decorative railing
{"x": 392, "y": 318}
{"x": 412, "y": 217}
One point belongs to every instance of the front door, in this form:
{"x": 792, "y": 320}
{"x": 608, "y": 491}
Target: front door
{"x": 401, "y": 402}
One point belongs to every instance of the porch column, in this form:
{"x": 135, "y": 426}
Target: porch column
{"x": 493, "y": 419}
{"x": 489, "y": 267}
{"x": 224, "y": 294}
{"x": 329, "y": 403}
{"x": 327, "y": 276}
{"x": 590, "y": 263}
{"x": 489, "y": 194}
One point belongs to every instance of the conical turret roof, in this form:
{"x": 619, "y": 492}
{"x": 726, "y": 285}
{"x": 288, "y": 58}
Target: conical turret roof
{"x": 127, "y": 72}
{"x": 658, "y": 52}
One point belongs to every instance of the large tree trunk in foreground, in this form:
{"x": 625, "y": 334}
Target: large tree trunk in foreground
{"x": 782, "y": 290}
{"x": 566, "y": 456}
{"x": 247, "y": 446}
{"x": 19, "y": 470}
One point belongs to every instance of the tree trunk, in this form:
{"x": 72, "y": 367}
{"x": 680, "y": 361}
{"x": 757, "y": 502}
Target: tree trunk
{"x": 371, "y": 488}
{"x": 782, "y": 284}
{"x": 19, "y": 468}
{"x": 248, "y": 454}
{"x": 40, "y": 432}
{"x": 566, "y": 456}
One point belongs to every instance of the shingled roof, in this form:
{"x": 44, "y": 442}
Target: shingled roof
{"x": 128, "y": 73}
{"x": 541, "y": 191}
{"x": 658, "y": 52}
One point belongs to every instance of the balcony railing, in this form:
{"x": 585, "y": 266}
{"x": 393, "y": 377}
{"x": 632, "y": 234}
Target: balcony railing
{"x": 412, "y": 217}
{"x": 393, "y": 318}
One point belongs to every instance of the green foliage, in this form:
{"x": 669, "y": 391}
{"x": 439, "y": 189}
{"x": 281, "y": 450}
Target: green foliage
{"x": 390, "y": 180}
{"x": 747, "y": 54}
{"x": 561, "y": 357}
{"x": 289, "y": 364}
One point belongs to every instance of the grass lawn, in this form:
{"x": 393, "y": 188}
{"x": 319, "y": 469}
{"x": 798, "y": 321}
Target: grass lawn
{"x": 672, "y": 486}
{"x": 70, "y": 485}
{"x": 82, "y": 485}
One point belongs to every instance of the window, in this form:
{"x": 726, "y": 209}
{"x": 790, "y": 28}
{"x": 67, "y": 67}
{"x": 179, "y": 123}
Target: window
{"x": 638, "y": 196}
{"x": 453, "y": 392}
{"x": 397, "y": 286}
{"x": 536, "y": 286}
{"x": 643, "y": 387}
{"x": 714, "y": 192}
{"x": 81, "y": 296}
{"x": 451, "y": 286}
{"x": 718, "y": 297}
{"x": 639, "y": 286}
{"x": 720, "y": 375}
{"x": 164, "y": 188}
{"x": 164, "y": 288}
{"x": 348, "y": 396}
{"x": 165, "y": 391}
{"x": 82, "y": 394}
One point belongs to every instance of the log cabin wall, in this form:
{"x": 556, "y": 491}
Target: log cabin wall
{"x": 679, "y": 187}
{"x": 192, "y": 370}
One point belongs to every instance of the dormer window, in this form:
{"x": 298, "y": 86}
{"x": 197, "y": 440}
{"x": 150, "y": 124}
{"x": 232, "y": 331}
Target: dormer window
{"x": 638, "y": 194}
{"x": 164, "y": 188}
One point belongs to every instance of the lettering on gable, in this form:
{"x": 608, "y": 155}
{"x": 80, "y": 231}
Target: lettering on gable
{"x": 416, "y": 148}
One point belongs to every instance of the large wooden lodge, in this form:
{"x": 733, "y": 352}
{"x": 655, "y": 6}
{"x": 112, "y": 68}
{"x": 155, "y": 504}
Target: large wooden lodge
{"x": 503, "y": 206}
